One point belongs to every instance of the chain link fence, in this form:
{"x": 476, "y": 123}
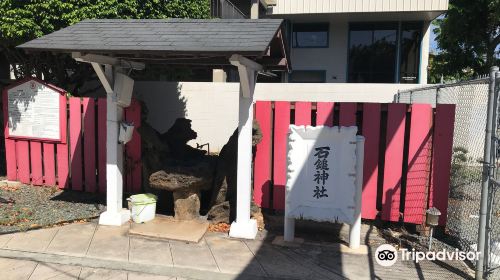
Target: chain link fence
{"x": 471, "y": 99}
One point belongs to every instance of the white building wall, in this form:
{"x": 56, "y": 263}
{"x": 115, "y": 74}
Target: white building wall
{"x": 424, "y": 53}
{"x": 356, "y": 6}
{"x": 213, "y": 107}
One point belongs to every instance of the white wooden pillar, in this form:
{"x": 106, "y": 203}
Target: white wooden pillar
{"x": 355, "y": 227}
{"x": 244, "y": 227}
{"x": 114, "y": 215}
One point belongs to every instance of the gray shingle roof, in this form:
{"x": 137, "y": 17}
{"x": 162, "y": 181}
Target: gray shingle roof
{"x": 161, "y": 35}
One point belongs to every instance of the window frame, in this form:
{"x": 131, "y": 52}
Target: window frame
{"x": 353, "y": 26}
{"x": 293, "y": 37}
{"x": 322, "y": 72}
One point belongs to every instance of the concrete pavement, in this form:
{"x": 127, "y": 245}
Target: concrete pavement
{"x": 89, "y": 251}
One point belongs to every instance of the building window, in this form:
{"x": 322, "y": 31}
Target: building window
{"x": 384, "y": 52}
{"x": 409, "y": 64}
{"x": 310, "y": 35}
{"x": 307, "y": 76}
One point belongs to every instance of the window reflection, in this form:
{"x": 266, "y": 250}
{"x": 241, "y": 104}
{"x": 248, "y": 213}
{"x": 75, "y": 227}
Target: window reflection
{"x": 411, "y": 36}
{"x": 373, "y": 52}
{"x": 310, "y": 35}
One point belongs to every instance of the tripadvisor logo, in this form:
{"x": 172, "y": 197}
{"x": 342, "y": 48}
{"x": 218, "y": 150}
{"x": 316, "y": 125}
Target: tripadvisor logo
{"x": 387, "y": 255}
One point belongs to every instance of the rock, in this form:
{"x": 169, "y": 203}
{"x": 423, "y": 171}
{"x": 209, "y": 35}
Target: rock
{"x": 178, "y": 136}
{"x": 219, "y": 213}
{"x": 186, "y": 205}
{"x": 176, "y": 175}
{"x": 223, "y": 201}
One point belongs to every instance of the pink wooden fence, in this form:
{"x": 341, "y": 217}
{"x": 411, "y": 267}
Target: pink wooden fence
{"x": 80, "y": 163}
{"x": 407, "y": 154}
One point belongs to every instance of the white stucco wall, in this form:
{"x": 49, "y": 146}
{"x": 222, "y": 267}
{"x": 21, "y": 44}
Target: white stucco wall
{"x": 213, "y": 107}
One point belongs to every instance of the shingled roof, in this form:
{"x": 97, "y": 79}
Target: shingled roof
{"x": 172, "y": 40}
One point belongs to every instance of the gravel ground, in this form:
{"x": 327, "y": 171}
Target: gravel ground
{"x": 25, "y": 207}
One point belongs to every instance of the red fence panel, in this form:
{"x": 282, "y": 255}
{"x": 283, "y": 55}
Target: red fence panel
{"x": 36, "y": 163}
{"x": 101, "y": 144}
{"x": 324, "y": 113}
{"x": 262, "y": 164}
{"x": 75, "y": 138}
{"x": 281, "y": 123}
{"x": 371, "y": 132}
{"x": 347, "y": 116}
{"x": 391, "y": 190}
{"x": 303, "y": 113}
{"x": 62, "y": 166}
{"x": 23, "y": 161}
{"x": 441, "y": 158}
{"x": 89, "y": 144}
{"x": 10, "y": 158}
{"x": 419, "y": 154}
{"x": 49, "y": 164}
{"x": 133, "y": 165}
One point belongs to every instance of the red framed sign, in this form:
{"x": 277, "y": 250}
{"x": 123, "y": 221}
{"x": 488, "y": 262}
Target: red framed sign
{"x": 35, "y": 110}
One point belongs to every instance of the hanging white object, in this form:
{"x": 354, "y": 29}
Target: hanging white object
{"x": 123, "y": 87}
{"x": 324, "y": 177}
{"x": 126, "y": 131}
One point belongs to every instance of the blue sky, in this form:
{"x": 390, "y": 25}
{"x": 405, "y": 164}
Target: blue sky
{"x": 433, "y": 42}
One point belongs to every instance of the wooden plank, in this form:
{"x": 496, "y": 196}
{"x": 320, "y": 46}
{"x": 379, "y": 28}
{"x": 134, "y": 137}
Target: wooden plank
{"x": 62, "y": 166}
{"x": 419, "y": 154}
{"x": 36, "y": 163}
{"x": 23, "y": 161}
{"x": 49, "y": 164}
{"x": 89, "y": 140}
{"x": 75, "y": 138}
{"x": 10, "y": 157}
{"x": 101, "y": 144}
{"x": 441, "y": 158}
{"x": 347, "y": 115}
{"x": 10, "y": 144}
{"x": 396, "y": 118}
{"x": 281, "y": 123}
{"x": 371, "y": 132}
{"x": 263, "y": 156}
{"x": 324, "y": 113}
{"x": 133, "y": 162}
{"x": 303, "y": 113}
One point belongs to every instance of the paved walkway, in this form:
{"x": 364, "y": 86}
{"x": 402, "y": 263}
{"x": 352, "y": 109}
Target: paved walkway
{"x": 88, "y": 251}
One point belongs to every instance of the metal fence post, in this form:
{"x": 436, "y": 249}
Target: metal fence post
{"x": 487, "y": 171}
{"x": 437, "y": 96}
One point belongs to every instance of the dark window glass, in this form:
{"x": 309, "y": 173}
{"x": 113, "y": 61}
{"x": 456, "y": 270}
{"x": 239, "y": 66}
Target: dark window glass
{"x": 372, "y": 52}
{"x": 411, "y": 37}
{"x": 308, "y": 76}
{"x": 310, "y": 35}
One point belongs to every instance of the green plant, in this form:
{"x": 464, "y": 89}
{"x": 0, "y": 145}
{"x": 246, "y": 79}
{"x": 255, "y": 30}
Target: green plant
{"x": 468, "y": 37}
{"x": 22, "y": 21}
{"x": 464, "y": 169}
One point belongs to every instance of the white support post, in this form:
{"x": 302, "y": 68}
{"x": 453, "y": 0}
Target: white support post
{"x": 244, "y": 227}
{"x": 355, "y": 227}
{"x": 289, "y": 234}
{"x": 114, "y": 215}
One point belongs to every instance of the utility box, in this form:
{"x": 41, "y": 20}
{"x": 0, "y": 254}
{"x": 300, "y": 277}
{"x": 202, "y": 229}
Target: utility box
{"x": 123, "y": 88}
